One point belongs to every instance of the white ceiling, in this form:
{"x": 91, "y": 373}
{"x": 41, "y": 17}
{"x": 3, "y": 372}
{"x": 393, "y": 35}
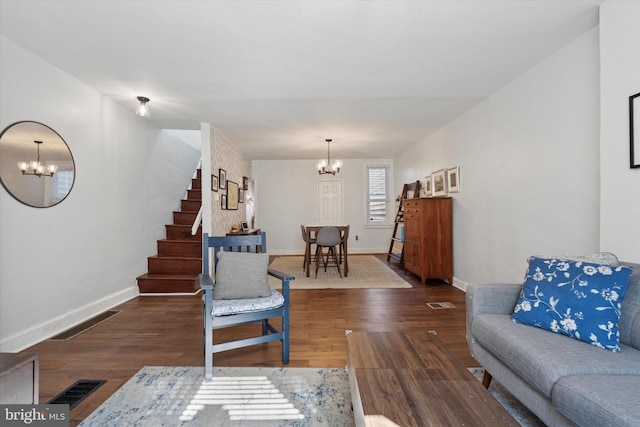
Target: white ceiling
{"x": 278, "y": 77}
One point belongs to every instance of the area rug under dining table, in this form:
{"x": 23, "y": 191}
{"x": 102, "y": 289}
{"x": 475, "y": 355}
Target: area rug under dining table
{"x": 365, "y": 271}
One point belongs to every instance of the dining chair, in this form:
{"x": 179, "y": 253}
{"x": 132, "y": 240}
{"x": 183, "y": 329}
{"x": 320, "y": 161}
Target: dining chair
{"x": 308, "y": 242}
{"x": 327, "y": 237}
{"x": 240, "y": 293}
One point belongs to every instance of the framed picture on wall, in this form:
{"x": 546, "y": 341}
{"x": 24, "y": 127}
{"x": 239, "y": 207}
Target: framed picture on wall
{"x": 634, "y": 130}
{"x": 428, "y": 186}
{"x": 241, "y": 196}
{"x": 232, "y": 195}
{"x": 223, "y": 202}
{"x": 222, "y": 176}
{"x": 453, "y": 179}
{"x": 439, "y": 179}
{"x": 245, "y": 183}
{"x": 214, "y": 183}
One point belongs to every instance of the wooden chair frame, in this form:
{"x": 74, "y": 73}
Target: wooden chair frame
{"x": 252, "y": 243}
{"x": 308, "y": 243}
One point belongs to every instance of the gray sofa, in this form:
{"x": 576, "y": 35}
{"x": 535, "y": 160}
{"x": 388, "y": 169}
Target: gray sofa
{"x": 562, "y": 380}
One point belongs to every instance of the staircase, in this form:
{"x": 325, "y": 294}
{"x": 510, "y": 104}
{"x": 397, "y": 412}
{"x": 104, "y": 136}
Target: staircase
{"x": 176, "y": 267}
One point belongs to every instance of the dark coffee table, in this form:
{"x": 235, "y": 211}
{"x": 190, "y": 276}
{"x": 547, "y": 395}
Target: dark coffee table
{"x": 411, "y": 378}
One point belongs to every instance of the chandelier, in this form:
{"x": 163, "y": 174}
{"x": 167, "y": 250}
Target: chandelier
{"x": 36, "y": 168}
{"x": 325, "y": 166}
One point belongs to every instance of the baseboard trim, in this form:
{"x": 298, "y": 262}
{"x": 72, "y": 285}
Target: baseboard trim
{"x": 460, "y": 284}
{"x": 50, "y": 328}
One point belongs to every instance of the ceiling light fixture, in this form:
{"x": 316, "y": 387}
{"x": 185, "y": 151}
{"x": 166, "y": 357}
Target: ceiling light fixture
{"x": 37, "y": 168}
{"x": 325, "y": 166}
{"x": 142, "y": 109}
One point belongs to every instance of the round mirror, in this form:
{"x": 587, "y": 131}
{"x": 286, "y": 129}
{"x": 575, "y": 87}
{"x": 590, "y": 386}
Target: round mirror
{"x": 36, "y": 165}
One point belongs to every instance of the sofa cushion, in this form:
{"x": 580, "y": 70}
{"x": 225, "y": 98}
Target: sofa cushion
{"x": 599, "y": 400}
{"x": 630, "y": 318}
{"x": 541, "y": 358}
{"x": 241, "y": 275}
{"x": 225, "y": 307}
{"x": 606, "y": 258}
{"x": 575, "y": 298}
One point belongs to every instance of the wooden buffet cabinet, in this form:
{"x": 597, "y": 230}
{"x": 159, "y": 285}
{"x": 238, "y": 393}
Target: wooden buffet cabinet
{"x": 428, "y": 241}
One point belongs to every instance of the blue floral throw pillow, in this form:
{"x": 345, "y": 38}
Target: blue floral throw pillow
{"x": 574, "y": 298}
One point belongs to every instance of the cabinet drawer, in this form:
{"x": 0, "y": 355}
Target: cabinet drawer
{"x": 411, "y": 206}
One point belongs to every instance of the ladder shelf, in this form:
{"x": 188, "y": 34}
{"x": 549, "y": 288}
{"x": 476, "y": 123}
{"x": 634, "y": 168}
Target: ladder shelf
{"x": 398, "y": 240}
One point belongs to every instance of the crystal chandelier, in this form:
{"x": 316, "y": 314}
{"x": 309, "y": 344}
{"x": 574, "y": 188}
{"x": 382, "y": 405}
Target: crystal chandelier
{"x": 325, "y": 166}
{"x": 36, "y": 168}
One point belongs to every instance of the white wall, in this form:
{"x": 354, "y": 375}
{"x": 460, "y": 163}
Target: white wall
{"x": 64, "y": 264}
{"x": 286, "y": 197}
{"x": 529, "y": 160}
{"x": 620, "y": 78}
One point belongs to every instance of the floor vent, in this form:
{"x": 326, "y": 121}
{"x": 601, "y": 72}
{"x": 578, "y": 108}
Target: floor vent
{"x": 76, "y": 393}
{"x": 440, "y": 305}
{"x": 84, "y": 326}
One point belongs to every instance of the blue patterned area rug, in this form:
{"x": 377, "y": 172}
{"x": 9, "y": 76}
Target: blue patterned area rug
{"x": 269, "y": 397}
{"x": 177, "y": 396}
{"x": 518, "y": 411}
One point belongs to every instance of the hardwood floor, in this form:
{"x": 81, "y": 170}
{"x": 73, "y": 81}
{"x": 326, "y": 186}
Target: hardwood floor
{"x": 167, "y": 331}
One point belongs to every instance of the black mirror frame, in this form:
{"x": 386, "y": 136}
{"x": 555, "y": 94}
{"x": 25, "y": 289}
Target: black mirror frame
{"x": 633, "y": 150}
{"x": 70, "y": 154}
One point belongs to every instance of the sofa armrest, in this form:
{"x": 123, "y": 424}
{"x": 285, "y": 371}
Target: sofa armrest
{"x": 491, "y": 298}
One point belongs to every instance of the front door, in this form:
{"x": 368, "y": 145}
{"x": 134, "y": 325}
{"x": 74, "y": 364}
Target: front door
{"x": 330, "y": 203}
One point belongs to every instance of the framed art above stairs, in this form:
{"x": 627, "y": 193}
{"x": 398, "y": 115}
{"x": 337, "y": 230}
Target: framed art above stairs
{"x": 176, "y": 267}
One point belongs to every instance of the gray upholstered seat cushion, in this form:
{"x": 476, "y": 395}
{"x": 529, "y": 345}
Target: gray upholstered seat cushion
{"x": 224, "y": 307}
{"x": 541, "y": 358}
{"x": 599, "y": 400}
{"x": 241, "y": 275}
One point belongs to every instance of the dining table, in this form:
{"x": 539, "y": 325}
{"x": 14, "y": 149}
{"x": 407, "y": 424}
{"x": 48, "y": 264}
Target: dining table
{"x": 312, "y": 231}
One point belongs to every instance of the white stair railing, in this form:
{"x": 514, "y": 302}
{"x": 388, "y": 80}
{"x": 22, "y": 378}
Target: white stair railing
{"x": 196, "y": 222}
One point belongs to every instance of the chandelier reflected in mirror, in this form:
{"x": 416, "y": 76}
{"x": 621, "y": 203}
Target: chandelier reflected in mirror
{"x": 326, "y": 166}
{"x": 36, "y": 168}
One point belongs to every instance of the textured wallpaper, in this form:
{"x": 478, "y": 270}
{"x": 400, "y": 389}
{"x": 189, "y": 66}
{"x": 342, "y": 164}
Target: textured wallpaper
{"x": 225, "y": 155}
